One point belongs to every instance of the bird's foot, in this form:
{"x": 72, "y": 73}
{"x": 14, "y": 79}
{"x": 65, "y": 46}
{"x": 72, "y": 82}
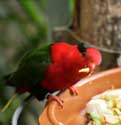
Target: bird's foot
{"x": 55, "y": 98}
{"x": 73, "y": 90}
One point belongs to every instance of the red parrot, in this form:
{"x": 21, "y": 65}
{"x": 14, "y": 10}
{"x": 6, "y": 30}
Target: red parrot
{"x": 54, "y": 67}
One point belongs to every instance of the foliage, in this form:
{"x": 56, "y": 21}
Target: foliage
{"x": 23, "y": 26}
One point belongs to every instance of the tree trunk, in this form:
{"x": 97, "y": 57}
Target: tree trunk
{"x": 98, "y": 23}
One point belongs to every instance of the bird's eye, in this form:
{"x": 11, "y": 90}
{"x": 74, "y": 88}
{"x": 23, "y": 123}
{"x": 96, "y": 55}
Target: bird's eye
{"x": 82, "y": 47}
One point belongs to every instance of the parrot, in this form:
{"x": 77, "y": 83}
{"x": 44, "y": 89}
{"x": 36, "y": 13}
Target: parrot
{"x": 53, "y": 67}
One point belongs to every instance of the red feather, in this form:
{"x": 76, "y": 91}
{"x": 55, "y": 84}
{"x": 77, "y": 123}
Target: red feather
{"x": 92, "y": 54}
{"x": 64, "y": 71}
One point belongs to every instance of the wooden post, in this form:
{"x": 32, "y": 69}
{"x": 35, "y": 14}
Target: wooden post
{"x": 98, "y": 23}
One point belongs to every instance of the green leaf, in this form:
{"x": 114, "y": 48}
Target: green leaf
{"x": 116, "y": 124}
{"x": 96, "y": 119}
{"x": 32, "y": 10}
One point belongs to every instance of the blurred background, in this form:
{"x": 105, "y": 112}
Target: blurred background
{"x": 27, "y": 24}
{"x": 24, "y": 25}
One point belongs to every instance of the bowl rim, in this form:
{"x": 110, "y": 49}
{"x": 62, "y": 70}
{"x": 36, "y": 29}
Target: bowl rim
{"x": 46, "y": 117}
{"x": 98, "y": 75}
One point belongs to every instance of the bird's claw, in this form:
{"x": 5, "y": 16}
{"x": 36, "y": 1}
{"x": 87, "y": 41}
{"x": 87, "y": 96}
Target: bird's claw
{"x": 73, "y": 90}
{"x": 55, "y": 98}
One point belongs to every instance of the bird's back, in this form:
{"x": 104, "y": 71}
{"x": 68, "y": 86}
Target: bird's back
{"x": 31, "y": 67}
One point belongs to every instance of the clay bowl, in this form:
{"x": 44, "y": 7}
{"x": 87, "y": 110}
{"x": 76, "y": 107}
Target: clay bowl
{"x": 73, "y": 105}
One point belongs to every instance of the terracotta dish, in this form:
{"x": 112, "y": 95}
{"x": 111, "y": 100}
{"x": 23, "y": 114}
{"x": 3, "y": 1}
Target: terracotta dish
{"x": 70, "y": 114}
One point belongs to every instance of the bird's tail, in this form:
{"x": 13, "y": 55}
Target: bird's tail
{"x": 8, "y": 102}
{"x": 7, "y": 80}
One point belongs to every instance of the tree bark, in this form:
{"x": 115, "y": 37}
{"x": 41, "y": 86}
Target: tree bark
{"x": 99, "y": 23}
{"x": 96, "y": 23}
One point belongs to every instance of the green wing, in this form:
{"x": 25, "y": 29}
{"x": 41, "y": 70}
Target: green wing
{"x": 32, "y": 66}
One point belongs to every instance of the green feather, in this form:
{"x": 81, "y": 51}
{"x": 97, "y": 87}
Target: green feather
{"x": 31, "y": 67}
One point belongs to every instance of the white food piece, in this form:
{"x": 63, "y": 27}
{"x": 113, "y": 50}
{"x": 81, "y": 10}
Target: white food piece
{"x": 106, "y": 104}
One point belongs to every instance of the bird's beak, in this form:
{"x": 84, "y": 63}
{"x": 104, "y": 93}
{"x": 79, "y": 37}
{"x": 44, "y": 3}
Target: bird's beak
{"x": 84, "y": 70}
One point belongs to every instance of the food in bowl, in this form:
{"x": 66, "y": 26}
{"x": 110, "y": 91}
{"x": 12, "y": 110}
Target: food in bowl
{"x": 104, "y": 108}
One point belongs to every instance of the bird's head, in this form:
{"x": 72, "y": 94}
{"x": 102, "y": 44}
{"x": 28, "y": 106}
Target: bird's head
{"x": 93, "y": 58}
